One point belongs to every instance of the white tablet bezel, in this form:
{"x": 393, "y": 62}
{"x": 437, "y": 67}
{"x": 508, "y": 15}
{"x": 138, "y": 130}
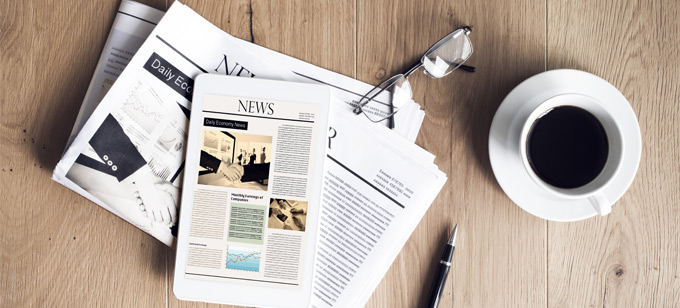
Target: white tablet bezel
{"x": 233, "y": 292}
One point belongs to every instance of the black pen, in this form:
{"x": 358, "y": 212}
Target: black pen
{"x": 442, "y": 271}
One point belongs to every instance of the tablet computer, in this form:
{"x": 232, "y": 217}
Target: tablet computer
{"x": 251, "y": 192}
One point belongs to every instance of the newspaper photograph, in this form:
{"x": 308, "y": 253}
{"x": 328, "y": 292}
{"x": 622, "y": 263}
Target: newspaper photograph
{"x": 250, "y": 152}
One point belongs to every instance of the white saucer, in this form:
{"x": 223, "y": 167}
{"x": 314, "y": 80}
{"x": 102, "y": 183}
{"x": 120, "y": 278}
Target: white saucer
{"x": 504, "y": 137}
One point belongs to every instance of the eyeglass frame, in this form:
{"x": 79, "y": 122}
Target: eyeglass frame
{"x": 471, "y": 69}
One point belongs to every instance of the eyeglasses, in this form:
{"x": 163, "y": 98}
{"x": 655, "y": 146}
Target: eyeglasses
{"x": 446, "y": 55}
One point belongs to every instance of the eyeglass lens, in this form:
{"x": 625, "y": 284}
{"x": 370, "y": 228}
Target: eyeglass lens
{"x": 447, "y": 54}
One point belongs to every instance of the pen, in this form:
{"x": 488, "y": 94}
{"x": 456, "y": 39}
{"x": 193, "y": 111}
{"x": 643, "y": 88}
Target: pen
{"x": 442, "y": 270}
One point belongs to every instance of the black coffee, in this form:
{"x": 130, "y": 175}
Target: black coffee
{"x": 567, "y": 147}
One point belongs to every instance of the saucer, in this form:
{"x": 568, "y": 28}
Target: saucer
{"x": 504, "y": 140}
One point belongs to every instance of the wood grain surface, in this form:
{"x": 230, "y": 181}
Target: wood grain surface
{"x": 59, "y": 250}
{"x": 630, "y": 258}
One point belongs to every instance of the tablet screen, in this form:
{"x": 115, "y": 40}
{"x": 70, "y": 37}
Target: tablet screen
{"x": 251, "y": 196}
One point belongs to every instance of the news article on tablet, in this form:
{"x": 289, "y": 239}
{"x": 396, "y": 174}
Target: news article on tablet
{"x": 251, "y": 196}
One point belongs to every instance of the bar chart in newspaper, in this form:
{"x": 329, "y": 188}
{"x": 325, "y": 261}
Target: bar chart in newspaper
{"x": 242, "y": 258}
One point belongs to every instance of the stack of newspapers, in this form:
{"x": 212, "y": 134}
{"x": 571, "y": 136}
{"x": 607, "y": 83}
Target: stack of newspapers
{"x": 130, "y": 137}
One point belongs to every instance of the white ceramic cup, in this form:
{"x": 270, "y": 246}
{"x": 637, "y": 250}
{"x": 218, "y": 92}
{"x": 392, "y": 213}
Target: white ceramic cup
{"x": 593, "y": 190}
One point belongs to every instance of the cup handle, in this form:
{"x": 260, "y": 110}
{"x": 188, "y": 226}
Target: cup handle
{"x": 600, "y": 203}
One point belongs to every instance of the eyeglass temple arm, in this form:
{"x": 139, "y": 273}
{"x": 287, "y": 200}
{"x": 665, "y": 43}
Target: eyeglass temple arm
{"x": 357, "y": 110}
{"x": 467, "y": 68}
{"x": 419, "y": 64}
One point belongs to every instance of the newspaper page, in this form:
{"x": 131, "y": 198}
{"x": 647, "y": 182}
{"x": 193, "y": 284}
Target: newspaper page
{"x": 133, "y": 24}
{"x": 370, "y": 206}
{"x": 254, "y": 185}
{"x": 129, "y": 155}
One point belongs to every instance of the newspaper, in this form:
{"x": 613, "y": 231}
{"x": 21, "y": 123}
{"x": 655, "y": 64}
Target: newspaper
{"x": 377, "y": 187}
{"x": 148, "y": 114}
{"x": 128, "y": 156}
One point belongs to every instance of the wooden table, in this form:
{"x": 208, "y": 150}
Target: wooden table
{"x": 58, "y": 249}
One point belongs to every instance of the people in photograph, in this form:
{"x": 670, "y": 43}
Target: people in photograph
{"x": 240, "y": 157}
{"x": 263, "y": 156}
{"x": 253, "y": 156}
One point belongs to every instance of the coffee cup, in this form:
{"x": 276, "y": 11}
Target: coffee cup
{"x": 572, "y": 147}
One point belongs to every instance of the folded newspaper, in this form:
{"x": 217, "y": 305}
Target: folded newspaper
{"x": 127, "y": 155}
